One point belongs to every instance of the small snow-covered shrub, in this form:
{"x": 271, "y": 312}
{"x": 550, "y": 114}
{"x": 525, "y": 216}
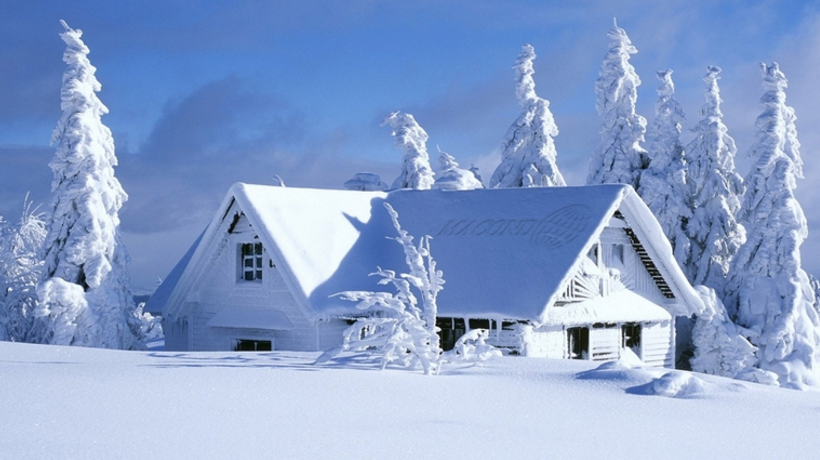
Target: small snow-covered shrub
{"x": 20, "y": 268}
{"x": 150, "y": 325}
{"x": 677, "y": 384}
{"x": 473, "y": 348}
{"x": 400, "y": 331}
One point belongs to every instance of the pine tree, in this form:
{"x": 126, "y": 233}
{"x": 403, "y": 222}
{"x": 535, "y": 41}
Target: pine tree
{"x": 84, "y": 290}
{"x": 769, "y": 293}
{"x": 528, "y": 144}
{"x": 416, "y": 172}
{"x": 620, "y": 157}
{"x": 663, "y": 183}
{"x": 714, "y": 189}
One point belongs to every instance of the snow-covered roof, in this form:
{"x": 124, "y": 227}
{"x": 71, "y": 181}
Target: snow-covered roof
{"x": 504, "y": 252}
{"x": 620, "y": 307}
{"x": 160, "y": 297}
{"x": 251, "y": 319}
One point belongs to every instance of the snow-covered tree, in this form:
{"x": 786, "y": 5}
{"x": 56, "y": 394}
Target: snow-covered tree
{"x": 714, "y": 189}
{"x": 416, "y": 172}
{"x": 619, "y": 157}
{"x": 663, "y": 183}
{"x": 84, "y": 292}
{"x": 472, "y": 348}
{"x": 20, "y": 267}
{"x": 768, "y": 291}
{"x": 528, "y": 147}
{"x": 451, "y": 177}
{"x": 720, "y": 347}
{"x": 476, "y": 173}
{"x": 403, "y": 331}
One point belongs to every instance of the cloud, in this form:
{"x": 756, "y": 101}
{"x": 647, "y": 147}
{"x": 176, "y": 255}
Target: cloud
{"x": 225, "y": 132}
{"x": 24, "y": 170}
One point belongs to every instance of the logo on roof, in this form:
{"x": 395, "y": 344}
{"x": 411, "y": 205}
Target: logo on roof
{"x": 555, "y": 230}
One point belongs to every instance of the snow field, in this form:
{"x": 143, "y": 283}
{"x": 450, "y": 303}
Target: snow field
{"x": 72, "y": 402}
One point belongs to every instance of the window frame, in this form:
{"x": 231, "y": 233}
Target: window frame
{"x": 251, "y": 261}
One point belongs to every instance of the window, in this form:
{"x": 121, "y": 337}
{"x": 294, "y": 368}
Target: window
{"x": 578, "y": 342}
{"x": 482, "y": 324}
{"x": 593, "y": 253}
{"x": 631, "y": 333}
{"x": 253, "y": 345}
{"x": 450, "y": 330}
{"x": 251, "y": 261}
{"x": 618, "y": 253}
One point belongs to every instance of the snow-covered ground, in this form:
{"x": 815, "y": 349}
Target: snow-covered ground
{"x": 71, "y": 402}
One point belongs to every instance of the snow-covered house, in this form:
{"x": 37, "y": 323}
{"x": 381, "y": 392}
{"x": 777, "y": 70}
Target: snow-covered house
{"x": 564, "y": 272}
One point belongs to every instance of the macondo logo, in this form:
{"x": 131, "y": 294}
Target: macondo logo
{"x": 556, "y": 229}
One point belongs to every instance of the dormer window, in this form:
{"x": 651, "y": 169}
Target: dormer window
{"x": 250, "y": 261}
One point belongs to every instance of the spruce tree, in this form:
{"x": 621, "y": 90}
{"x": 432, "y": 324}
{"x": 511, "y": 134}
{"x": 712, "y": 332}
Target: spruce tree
{"x": 663, "y": 183}
{"x": 620, "y": 157}
{"x": 84, "y": 292}
{"x": 769, "y": 293}
{"x": 416, "y": 172}
{"x": 528, "y": 153}
{"x": 714, "y": 189}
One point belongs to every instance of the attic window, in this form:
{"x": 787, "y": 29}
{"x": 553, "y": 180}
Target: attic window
{"x": 618, "y": 253}
{"x": 251, "y": 261}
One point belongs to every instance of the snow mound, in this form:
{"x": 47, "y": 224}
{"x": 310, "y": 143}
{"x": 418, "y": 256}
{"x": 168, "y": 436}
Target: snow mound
{"x": 677, "y": 384}
{"x": 628, "y": 368}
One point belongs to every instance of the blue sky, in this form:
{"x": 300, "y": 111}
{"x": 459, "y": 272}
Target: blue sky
{"x": 204, "y": 94}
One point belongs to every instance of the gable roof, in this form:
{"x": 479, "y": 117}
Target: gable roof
{"x": 504, "y": 252}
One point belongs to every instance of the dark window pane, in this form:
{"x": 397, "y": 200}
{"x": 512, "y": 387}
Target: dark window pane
{"x": 248, "y": 276}
{"x": 259, "y": 274}
{"x": 258, "y": 248}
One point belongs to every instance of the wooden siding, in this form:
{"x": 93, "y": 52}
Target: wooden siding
{"x": 605, "y": 342}
{"x": 221, "y": 288}
{"x": 545, "y": 342}
{"x": 634, "y": 274}
{"x": 657, "y": 341}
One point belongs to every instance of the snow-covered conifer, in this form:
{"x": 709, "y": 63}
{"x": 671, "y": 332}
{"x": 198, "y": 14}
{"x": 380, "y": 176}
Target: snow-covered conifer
{"x": 83, "y": 250}
{"x": 720, "y": 347}
{"x": 619, "y": 157}
{"x": 714, "y": 189}
{"x": 529, "y": 142}
{"x": 451, "y": 177}
{"x": 768, "y": 291}
{"x": 405, "y": 332}
{"x": 20, "y": 267}
{"x": 416, "y": 172}
{"x": 663, "y": 183}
